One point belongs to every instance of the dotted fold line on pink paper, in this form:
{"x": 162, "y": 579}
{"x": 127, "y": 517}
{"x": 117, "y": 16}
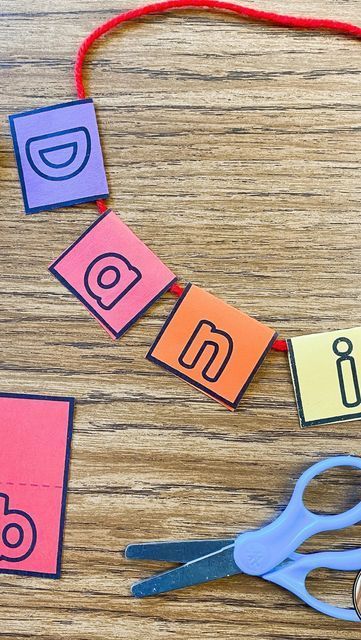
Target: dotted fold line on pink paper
{"x": 31, "y": 484}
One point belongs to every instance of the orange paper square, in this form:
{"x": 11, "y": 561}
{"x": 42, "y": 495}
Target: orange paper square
{"x": 211, "y": 345}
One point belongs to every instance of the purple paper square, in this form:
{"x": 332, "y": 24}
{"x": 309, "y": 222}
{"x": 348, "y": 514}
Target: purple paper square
{"x": 59, "y": 156}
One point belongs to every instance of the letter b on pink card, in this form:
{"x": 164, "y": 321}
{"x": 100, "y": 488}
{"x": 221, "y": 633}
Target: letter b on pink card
{"x": 35, "y": 447}
{"x": 17, "y": 532}
{"x": 113, "y": 273}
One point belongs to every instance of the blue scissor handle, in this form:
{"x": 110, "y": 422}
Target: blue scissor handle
{"x": 258, "y": 552}
{"x": 292, "y": 576}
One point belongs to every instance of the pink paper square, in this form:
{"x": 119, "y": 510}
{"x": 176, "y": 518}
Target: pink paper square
{"x": 35, "y": 449}
{"x": 113, "y": 273}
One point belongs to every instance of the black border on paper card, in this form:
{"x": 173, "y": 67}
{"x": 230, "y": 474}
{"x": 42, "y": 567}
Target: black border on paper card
{"x": 58, "y": 205}
{"x": 90, "y": 308}
{"x": 70, "y": 401}
{"x": 296, "y": 385}
{"x": 209, "y": 392}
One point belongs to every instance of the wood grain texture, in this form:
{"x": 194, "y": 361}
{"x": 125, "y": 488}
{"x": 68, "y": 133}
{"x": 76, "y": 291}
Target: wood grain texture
{"x": 233, "y": 149}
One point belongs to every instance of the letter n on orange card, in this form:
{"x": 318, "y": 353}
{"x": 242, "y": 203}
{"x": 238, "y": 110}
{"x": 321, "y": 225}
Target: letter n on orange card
{"x": 211, "y": 345}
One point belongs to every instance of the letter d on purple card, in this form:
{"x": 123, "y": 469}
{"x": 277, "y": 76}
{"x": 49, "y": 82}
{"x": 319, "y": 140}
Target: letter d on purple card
{"x": 59, "y": 156}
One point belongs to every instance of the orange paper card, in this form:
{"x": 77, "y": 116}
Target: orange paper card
{"x": 212, "y": 345}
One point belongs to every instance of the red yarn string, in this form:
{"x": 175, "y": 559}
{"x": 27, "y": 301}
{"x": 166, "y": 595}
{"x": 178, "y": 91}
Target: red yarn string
{"x": 102, "y": 207}
{"x": 176, "y": 289}
{"x": 280, "y": 345}
{"x": 294, "y": 22}
{"x": 271, "y": 17}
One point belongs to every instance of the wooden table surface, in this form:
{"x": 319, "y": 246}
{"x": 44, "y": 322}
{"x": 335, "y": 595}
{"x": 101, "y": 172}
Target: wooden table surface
{"x": 233, "y": 149}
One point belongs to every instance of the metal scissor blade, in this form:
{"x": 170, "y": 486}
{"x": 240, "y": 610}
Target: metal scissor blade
{"x": 181, "y": 551}
{"x": 219, "y": 564}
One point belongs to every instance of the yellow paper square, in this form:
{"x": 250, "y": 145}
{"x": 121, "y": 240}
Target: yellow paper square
{"x": 326, "y": 374}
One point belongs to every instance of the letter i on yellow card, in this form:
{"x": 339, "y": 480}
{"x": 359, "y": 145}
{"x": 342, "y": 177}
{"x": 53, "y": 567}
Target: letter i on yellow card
{"x": 326, "y": 375}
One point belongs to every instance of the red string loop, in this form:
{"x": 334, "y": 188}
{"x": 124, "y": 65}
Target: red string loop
{"x": 256, "y": 15}
{"x": 249, "y": 13}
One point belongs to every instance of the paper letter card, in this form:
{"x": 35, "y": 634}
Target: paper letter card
{"x": 211, "y": 345}
{"x": 112, "y": 273}
{"x": 326, "y": 373}
{"x": 35, "y": 434}
{"x": 59, "y": 157}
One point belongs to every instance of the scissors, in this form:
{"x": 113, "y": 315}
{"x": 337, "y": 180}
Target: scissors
{"x": 268, "y": 552}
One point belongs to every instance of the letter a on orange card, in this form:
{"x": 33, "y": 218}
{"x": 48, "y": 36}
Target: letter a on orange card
{"x": 211, "y": 345}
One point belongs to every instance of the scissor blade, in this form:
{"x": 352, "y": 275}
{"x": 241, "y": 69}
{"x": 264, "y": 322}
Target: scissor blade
{"x": 219, "y": 564}
{"x": 181, "y": 551}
